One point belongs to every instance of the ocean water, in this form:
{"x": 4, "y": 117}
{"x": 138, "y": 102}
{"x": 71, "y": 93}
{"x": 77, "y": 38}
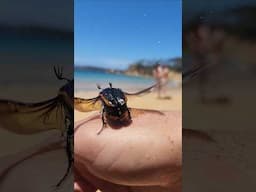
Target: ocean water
{"x": 86, "y": 80}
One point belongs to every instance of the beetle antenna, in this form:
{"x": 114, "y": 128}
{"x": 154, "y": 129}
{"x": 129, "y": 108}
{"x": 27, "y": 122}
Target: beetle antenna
{"x": 110, "y": 85}
{"x": 98, "y": 86}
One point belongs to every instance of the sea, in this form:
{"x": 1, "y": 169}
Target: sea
{"x": 87, "y": 80}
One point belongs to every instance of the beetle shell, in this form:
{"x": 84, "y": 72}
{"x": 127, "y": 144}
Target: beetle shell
{"x": 113, "y": 97}
{"x": 114, "y": 103}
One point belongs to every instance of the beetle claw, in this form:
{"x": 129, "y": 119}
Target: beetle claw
{"x": 98, "y": 86}
{"x": 101, "y": 129}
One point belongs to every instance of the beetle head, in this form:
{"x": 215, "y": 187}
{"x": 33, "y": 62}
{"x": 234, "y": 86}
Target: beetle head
{"x": 113, "y": 97}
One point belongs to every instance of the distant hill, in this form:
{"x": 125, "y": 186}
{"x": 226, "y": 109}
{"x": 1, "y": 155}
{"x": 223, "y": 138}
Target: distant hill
{"x": 141, "y": 67}
{"x": 145, "y": 67}
{"x": 91, "y": 68}
{"x": 99, "y": 69}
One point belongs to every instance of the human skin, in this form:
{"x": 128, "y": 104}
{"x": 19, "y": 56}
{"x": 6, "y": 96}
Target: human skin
{"x": 145, "y": 156}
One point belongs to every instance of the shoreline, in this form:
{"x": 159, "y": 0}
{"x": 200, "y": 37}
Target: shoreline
{"x": 173, "y": 75}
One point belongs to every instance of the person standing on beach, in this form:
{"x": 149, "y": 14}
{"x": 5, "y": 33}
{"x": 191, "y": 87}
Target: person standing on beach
{"x": 165, "y": 80}
{"x": 206, "y": 46}
{"x": 161, "y": 74}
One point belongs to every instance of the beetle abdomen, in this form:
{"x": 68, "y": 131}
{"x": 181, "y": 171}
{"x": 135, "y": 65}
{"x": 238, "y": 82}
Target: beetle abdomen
{"x": 123, "y": 119}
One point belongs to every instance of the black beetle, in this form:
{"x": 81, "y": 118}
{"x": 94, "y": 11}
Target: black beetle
{"x": 113, "y": 102}
{"x": 55, "y": 113}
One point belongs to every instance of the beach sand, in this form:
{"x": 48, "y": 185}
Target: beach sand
{"x": 148, "y": 101}
{"x": 228, "y": 164}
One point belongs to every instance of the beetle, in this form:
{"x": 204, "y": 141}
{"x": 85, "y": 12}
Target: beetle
{"x": 55, "y": 113}
{"x": 113, "y": 104}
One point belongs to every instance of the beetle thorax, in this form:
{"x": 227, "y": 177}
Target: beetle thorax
{"x": 113, "y": 97}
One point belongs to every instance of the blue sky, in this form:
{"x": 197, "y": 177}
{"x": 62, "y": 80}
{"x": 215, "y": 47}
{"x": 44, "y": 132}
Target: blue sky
{"x": 114, "y": 33}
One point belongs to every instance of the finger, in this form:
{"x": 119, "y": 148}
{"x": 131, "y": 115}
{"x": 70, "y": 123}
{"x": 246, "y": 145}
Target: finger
{"x": 82, "y": 185}
{"x": 91, "y": 182}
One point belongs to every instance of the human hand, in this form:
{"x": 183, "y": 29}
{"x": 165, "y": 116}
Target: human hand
{"x": 145, "y": 155}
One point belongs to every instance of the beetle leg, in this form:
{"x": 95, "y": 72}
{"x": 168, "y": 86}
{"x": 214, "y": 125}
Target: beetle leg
{"x": 104, "y": 124}
{"x": 69, "y": 151}
{"x": 129, "y": 114}
{"x": 70, "y": 159}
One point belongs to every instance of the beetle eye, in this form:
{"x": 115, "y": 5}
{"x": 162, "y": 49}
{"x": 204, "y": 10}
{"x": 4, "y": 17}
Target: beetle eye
{"x": 121, "y": 101}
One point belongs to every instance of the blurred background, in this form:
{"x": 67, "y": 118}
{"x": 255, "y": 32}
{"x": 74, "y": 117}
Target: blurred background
{"x": 35, "y": 36}
{"x": 122, "y": 43}
{"x": 218, "y": 94}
